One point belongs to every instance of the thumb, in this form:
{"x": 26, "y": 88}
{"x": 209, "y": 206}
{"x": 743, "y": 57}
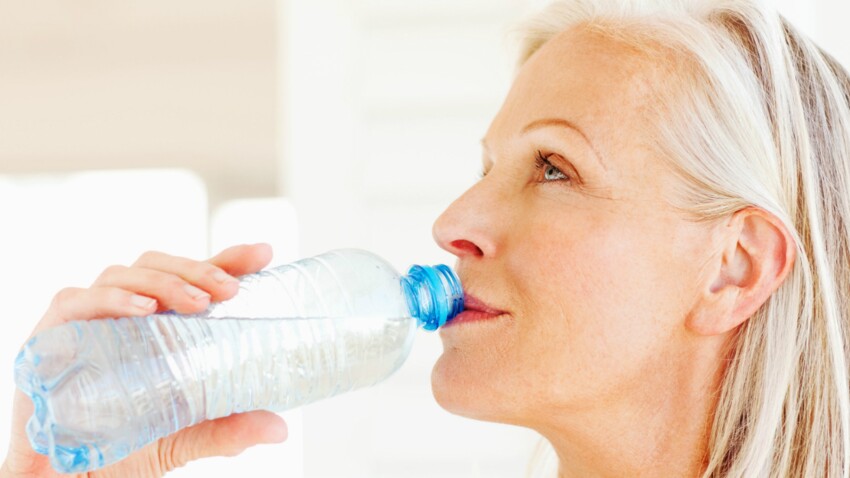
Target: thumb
{"x": 228, "y": 436}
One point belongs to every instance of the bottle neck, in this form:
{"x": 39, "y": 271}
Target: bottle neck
{"x": 434, "y": 295}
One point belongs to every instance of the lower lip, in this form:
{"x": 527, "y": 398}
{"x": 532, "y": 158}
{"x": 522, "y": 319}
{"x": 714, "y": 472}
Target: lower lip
{"x": 471, "y": 316}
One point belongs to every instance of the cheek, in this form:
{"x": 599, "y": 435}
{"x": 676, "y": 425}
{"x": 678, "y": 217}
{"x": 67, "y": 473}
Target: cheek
{"x": 589, "y": 272}
{"x": 593, "y": 317}
{"x": 597, "y": 311}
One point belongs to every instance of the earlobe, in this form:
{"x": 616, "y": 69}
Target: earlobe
{"x": 757, "y": 255}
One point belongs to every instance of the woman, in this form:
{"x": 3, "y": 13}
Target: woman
{"x": 658, "y": 248}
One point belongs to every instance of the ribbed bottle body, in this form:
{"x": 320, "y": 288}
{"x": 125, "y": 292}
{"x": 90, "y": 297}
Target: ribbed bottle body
{"x": 292, "y": 335}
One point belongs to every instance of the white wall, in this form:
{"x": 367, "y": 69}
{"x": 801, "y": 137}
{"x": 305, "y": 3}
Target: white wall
{"x": 102, "y": 84}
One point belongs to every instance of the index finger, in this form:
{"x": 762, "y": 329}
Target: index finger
{"x": 243, "y": 259}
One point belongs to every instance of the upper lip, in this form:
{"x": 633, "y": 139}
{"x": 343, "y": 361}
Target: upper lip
{"x": 470, "y": 302}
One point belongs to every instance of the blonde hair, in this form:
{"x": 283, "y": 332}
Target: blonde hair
{"x": 759, "y": 116}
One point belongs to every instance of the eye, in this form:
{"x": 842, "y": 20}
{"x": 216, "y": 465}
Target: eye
{"x": 550, "y": 171}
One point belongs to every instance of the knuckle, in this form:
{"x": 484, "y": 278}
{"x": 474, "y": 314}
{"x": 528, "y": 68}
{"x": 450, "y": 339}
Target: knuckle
{"x": 149, "y": 256}
{"x": 63, "y": 297}
{"x": 205, "y": 268}
{"x": 168, "y": 453}
{"x": 192, "y": 267}
{"x": 205, "y": 271}
{"x": 112, "y": 271}
{"x": 164, "y": 455}
{"x": 177, "y": 285}
{"x": 153, "y": 464}
{"x": 115, "y": 269}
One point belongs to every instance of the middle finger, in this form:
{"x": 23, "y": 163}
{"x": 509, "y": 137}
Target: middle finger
{"x": 170, "y": 290}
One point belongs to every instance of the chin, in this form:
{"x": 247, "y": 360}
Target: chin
{"x": 459, "y": 390}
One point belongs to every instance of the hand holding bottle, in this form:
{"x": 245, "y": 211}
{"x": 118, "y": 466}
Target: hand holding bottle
{"x": 155, "y": 283}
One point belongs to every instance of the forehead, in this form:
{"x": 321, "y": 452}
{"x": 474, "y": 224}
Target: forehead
{"x": 585, "y": 77}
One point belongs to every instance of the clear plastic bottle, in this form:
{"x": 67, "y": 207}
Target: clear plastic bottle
{"x": 292, "y": 335}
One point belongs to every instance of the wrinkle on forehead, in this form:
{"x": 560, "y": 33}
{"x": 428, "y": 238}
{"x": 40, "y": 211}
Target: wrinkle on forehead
{"x": 603, "y": 84}
{"x": 638, "y": 72}
{"x": 614, "y": 88}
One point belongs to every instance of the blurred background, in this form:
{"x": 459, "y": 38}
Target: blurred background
{"x": 309, "y": 124}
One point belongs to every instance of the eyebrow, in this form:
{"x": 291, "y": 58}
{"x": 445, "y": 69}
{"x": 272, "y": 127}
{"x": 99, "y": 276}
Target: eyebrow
{"x": 549, "y": 122}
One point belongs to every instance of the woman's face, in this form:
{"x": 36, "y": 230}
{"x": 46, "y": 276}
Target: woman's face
{"x": 569, "y": 234}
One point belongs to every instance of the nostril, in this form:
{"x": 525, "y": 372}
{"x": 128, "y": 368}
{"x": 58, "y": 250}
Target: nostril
{"x": 466, "y": 247}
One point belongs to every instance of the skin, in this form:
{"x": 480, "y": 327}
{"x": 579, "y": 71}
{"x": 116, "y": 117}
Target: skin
{"x": 156, "y": 282}
{"x": 618, "y": 309}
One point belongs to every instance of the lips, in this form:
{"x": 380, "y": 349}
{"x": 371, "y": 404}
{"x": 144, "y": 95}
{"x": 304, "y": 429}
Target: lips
{"x": 474, "y": 310}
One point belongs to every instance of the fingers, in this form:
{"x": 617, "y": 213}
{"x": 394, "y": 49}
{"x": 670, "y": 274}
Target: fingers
{"x": 95, "y": 303}
{"x": 158, "y": 282}
{"x": 179, "y": 284}
{"x": 245, "y": 259}
{"x": 201, "y": 275}
{"x": 185, "y": 285}
{"x": 228, "y": 436}
{"x": 155, "y": 282}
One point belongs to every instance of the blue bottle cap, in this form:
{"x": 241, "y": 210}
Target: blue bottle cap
{"x": 434, "y": 294}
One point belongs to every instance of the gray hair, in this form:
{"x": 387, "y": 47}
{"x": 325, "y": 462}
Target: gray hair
{"x": 758, "y": 116}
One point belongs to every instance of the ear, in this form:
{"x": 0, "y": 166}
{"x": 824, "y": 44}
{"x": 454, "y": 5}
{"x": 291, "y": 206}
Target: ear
{"x": 757, "y": 254}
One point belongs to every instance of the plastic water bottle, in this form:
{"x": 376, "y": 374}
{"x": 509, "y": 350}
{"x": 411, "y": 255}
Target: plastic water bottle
{"x": 292, "y": 335}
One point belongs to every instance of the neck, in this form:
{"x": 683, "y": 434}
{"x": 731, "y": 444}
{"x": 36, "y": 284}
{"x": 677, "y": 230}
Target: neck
{"x": 662, "y": 430}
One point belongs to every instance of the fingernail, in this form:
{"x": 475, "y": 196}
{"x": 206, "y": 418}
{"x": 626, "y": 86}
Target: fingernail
{"x": 196, "y": 293}
{"x": 223, "y": 277}
{"x": 142, "y": 301}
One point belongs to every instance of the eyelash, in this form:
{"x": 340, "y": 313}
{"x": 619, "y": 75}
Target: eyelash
{"x": 541, "y": 163}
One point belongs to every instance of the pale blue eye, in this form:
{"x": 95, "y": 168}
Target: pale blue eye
{"x": 551, "y": 173}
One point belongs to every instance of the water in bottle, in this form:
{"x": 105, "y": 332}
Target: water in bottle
{"x": 103, "y": 389}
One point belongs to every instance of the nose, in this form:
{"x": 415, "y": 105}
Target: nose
{"x": 468, "y": 228}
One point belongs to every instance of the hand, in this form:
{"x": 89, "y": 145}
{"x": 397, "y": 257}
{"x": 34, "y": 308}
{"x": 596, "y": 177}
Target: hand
{"x": 155, "y": 283}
